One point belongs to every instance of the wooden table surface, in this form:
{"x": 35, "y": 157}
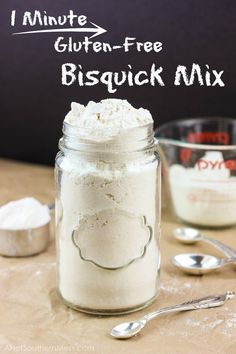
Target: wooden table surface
{"x": 33, "y": 319}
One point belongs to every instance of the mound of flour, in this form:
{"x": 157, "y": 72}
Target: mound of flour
{"x": 99, "y": 121}
{"x": 23, "y": 214}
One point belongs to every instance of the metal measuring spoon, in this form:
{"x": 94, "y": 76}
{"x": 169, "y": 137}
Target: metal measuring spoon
{"x": 197, "y": 263}
{"x": 189, "y": 236}
{"x": 129, "y": 329}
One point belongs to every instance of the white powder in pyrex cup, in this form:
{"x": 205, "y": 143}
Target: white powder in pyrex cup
{"x": 203, "y": 196}
{"x": 200, "y": 164}
{"x": 108, "y": 214}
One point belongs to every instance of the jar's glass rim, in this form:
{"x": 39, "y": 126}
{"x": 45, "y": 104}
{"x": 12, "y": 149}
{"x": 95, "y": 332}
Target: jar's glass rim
{"x": 132, "y": 139}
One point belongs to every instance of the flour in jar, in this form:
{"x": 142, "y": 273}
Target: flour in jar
{"x": 107, "y": 211}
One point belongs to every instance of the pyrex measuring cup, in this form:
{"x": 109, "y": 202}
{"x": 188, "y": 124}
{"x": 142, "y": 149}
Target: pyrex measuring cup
{"x": 199, "y": 158}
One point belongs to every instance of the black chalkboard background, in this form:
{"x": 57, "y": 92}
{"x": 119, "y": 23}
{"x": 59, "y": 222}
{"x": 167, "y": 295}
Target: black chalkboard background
{"x": 33, "y": 101}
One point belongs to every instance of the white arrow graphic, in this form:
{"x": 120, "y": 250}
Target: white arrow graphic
{"x": 97, "y": 30}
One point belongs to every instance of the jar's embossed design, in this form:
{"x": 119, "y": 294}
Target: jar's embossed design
{"x": 85, "y": 235}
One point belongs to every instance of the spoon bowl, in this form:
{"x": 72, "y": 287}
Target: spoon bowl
{"x": 197, "y": 263}
{"x": 127, "y": 329}
{"x": 187, "y": 235}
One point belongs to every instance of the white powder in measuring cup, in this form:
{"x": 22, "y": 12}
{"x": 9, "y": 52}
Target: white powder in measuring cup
{"x": 105, "y": 202}
{"x": 23, "y": 214}
{"x": 205, "y": 194}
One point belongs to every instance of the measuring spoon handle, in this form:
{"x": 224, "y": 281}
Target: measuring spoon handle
{"x": 228, "y": 251}
{"x": 203, "y": 303}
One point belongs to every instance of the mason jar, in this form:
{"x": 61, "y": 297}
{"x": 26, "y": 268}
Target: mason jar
{"x": 108, "y": 221}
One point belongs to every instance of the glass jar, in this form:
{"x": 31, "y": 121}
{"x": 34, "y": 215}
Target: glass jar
{"x": 108, "y": 221}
